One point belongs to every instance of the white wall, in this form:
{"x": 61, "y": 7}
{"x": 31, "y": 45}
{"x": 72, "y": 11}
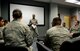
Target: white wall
{"x": 53, "y": 12}
{"x": 28, "y": 11}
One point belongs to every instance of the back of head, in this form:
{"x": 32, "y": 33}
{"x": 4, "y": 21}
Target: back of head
{"x": 1, "y": 22}
{"x": 56, "y": 21}
{"x": 77, "y": 22}
{"x": 1, "y": 18}
{"x": 17, "y": 14}
{"x": 6, "y": 22}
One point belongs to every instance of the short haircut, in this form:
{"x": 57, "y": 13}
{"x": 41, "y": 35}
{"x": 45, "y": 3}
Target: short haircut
{"x": 6, "y": 21}
{"x": 17, "y": 14}
{"x": 77, "y": 21}
{"x": 56, "y": 21}
{"x": 33, "y": 15}
{"x": 1, "y": 18}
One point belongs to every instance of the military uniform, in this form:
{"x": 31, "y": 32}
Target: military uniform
{"x": 17, "y": 33}
{"x": 57, "y": 35}
{"x": 1, "y": 35}
{"x": 75, "y": 29}
{"x": 33, "y": 21}
{"x": 33, "y": 26}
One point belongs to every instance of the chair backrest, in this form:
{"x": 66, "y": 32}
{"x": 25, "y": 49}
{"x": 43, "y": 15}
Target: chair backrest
{"x": 42, "y": 47}
{"x": 75, "y": 35}
{"x": 66, "y": 46}
{"x": 10, "y": 48}
{"x": 71, "y": 45}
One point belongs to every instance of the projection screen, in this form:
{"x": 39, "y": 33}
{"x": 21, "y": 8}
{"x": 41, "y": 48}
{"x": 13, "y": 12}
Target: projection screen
{"x": 27, "y": 11}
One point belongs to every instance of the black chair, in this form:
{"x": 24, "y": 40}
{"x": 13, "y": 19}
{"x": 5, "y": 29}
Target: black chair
{"x": 71, "y": 45}
{"x": 10, "y": 48}
{"x": 66, "y": 46}
{"x": 75, "y": 35}
{"x": 1, "y": 44}
{"x": 42, "y": 47}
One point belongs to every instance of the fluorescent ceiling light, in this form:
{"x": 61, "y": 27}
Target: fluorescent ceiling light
{"x": 73, "y": 1}
{"x": 78, "y": 3}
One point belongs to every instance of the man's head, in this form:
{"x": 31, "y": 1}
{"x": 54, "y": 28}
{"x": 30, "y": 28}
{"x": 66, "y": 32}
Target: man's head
{"x": 6, "y": 22}
{"x": 1, "y": 22}
{"x": 56, "y": 21}
{"x": 17, "y": 14}
{"x": 64, "y": 24}
{"x": 33, "y": 16}
{"x": 77, "y": 22}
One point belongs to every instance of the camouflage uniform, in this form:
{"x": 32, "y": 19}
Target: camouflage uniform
{"x": 33, "y": 27}
{"x": 17, "y": 33}
{"x": 34, "y": 30}
{"x": 1, "y": 35}
{"x": 75, "y": 29}
{"x": 57, "y": 35}
{"x": 33, "y": 21}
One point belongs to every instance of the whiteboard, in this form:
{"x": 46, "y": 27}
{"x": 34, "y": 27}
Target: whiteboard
{"x": 27, "y": 12}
